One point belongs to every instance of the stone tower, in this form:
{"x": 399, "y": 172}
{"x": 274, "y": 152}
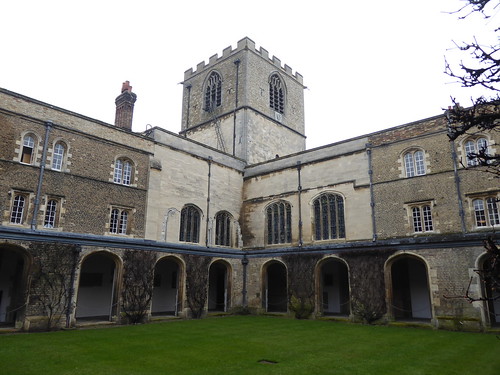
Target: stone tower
{"x": 245, "y": 104}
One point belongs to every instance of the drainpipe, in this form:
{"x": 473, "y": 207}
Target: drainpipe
{"x": 237, "y": 63}
{"x": 208, "y": 199}
{"x": 188, "y": 107}
{"x": 299, "y": 190}
{"x": 457, "y": 186}
{"x": 48, "y": 128}
{"x": 244, "y": 262}
{"x": 372, "y": 195}
{"x": 69, "y": 309}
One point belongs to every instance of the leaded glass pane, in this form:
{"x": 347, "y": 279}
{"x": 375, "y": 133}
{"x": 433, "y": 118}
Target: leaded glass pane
{"x": 16, "y": 216}
{"x": 113, "y": 224}
{"x": 417, "y": 219}
{"x": 479, "y": 212}
{"x": 117, "y": 177}
{"x": 50, "y": 214}
{"x": 427, "y": 218}
{"x": 493, "y": 214}
{"x": 57, "y": 157}
{"x": 419, "y": 162}
{"x": 410, "y": 170}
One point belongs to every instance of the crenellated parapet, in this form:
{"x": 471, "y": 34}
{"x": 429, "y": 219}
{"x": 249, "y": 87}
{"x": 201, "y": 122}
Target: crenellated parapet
{"x": 244, "y": 44}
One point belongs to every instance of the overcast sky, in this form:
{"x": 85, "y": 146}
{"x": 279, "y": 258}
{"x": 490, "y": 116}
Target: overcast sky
{"x": 368, "y": 65}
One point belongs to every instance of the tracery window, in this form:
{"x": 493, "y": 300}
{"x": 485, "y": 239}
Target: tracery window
{"x": 414, "y": 163}
{"x": 279, "y": 223}
{"x": 223, "y": 229}
{"x": 213, "y": 92}
{"x": 123, "y": 172}
{"x": 486, "y": 212}
{"x": 422, "y": 218}
{"x": 329, "y": 220}
{"x": 276, "y": 94}
{"x": 190, "y": 224}
{"x": 474, "y": 147}
{"x": 58, "y": 156}
{"x": 118, "y": 223}
{"x": 28, "y": 150}
{"x": 18, "y": 209}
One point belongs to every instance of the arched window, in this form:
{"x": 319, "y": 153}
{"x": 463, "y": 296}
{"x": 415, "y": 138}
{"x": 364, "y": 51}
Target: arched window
{"x": 123, "y": 172}
{"x": 223, "y": 229}
{"x": 119, "y": 221}
{"x": 190, "y": 224}
{"x": 329, "y": 220}
{"x": 50, "y": 214}
{"x": 486, "y": 212}
{"x": 414, "y": 163}
{"x": 213, "y": 92}
{"x": 17, "y": 212}
{"x": 473, "y": 147}
{"x": 276, "y": 94}
{"x": 279, "y": 223}
{"x": 58, "y": 156}
{"x": 28, "y": 151}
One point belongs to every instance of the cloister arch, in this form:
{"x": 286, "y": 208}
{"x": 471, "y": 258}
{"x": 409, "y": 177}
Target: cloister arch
{"x": 219, "y": 286}
{"x": 333, "y": 289}
{"x": 275, "y": 286}
{"x": 408, "y": 282}
{"x": 15, "y": 263}
{"x": 98, "y": 287}
{"x": 492, "y": 298}
{"x": 168, "y": 286}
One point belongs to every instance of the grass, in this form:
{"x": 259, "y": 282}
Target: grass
{"x": 235, "y": 345}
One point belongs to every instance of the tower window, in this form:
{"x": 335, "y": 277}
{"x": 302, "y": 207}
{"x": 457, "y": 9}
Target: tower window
{"x": 279, "y": 223}
{"x": 276, "y": 94}
{"x": 213, "y": 92}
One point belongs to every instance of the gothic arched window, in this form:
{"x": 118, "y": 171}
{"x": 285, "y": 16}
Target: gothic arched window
{"x": 213, "y": 92}
{"x": 279, "y": 223}
{"x": 276, "y": 94}
{"x": 190, "y": 224}
{"x": 329, "y": 220}
{"x": 223, "y": 228}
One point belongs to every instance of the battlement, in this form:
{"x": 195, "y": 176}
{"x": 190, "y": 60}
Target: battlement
{"x": 244, "y": 44}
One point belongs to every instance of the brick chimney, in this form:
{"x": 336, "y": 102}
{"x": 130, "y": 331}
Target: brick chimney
{"x": 125, "y": 107}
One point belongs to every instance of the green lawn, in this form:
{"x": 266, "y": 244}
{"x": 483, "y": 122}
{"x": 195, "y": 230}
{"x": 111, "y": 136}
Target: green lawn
{"x": 235, "y": 345}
